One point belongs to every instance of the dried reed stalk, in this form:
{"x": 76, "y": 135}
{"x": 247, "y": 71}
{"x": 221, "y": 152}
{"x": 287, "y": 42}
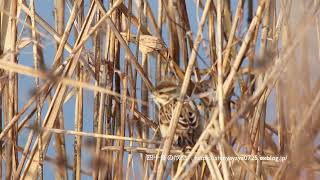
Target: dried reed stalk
{"x": 250, "y": 67}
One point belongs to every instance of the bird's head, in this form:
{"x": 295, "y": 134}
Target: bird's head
{"x": 164, "y": 92}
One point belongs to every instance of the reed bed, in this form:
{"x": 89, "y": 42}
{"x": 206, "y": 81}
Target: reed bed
{"x": 77, "y": 88}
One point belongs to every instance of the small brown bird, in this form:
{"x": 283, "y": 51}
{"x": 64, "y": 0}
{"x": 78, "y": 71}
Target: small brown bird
{"x": 188, "y": 128}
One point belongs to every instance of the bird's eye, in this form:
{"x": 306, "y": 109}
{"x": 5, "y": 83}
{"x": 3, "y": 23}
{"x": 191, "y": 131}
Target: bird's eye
{"x": 191, "y": 114}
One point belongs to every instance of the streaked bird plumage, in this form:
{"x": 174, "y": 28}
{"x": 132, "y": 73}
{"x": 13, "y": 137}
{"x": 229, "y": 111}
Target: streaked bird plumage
{"x": 187, "y": 131}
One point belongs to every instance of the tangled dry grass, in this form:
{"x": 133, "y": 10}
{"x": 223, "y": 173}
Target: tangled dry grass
{"x": 76, "y": 89}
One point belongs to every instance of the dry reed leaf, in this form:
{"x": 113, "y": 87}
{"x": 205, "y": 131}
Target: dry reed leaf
{"x": 147, "y": 43}
{"x": 23, "y": 42}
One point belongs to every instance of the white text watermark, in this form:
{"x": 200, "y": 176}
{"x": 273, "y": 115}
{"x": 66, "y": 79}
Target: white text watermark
{"x": 220, "y": 158}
